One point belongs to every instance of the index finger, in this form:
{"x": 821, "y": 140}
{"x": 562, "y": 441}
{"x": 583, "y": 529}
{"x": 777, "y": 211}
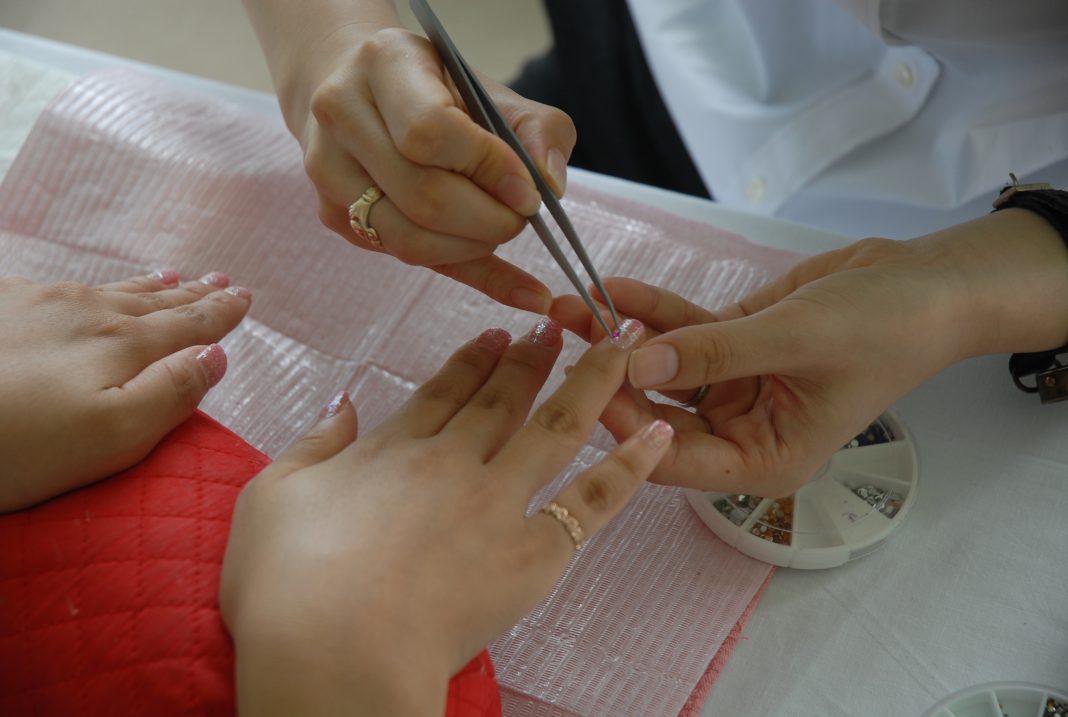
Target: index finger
{"x": 560, "y": 426}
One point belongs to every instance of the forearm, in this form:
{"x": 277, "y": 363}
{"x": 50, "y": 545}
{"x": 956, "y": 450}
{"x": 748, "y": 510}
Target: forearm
{"x": 303, "y": 40}
{"x": 1013, "y": 272}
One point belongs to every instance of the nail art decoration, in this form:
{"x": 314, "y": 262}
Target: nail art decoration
{"x": 545, "y": 333}
{"x": 629, "y": 334}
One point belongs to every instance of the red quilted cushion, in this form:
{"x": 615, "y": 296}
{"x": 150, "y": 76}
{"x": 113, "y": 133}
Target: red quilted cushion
{"x": 108, "y": 594}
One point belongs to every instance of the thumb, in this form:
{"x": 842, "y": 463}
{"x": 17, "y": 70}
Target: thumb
{"x": 766, "y": 343}
{"x": 547, "y": 133}
{"x": 336, "y": 428}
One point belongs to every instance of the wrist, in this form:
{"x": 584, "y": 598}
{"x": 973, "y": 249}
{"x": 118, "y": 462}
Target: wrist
{"x": 289, "y": 666}
{"x": 1009, "y": 277}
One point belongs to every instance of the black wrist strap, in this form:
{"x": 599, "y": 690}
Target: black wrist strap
{"x": 1051, "y": 376}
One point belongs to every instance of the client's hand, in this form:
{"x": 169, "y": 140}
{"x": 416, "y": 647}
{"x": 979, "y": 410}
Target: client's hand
{"x": 361, "y": 574}
{"x": 802, "y": 365}
{"x": 91, "y": 379}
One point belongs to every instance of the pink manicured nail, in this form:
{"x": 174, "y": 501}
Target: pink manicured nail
{"x": 653, "y": 365}
{"x": 657, "y": 434}
{"x": 338, "y": 402}
{"x": 496, "y": 340}
{"x": 167, "y": 277}
{"x": 213, "y": 359}
{"x": 545, "y": 333}
{"x": 630, "y": 332}
{"x": 216, "y": 278}
{"x": 240, "y": 292}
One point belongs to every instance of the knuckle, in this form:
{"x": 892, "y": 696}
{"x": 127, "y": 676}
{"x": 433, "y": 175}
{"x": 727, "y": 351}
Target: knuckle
{"x": 596, "y": 493}
{"x": 66, "y": 291}
{"x": 422, "y": 138}
{"x": 118, "y": 326}
{"x": 193, "y": 313}
{"x": 328, "y": 102}
{"x": 155, "y": 300}
{"x": 560, "y": 419}
{"x": 442, "y": 391}
{"x": 715, "y": 356}
{"x": 184, "y": 378}
{"x": 498, "y": 400}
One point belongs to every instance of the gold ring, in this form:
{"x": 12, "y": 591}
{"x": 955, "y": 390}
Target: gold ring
{"x": 358, "y": 212}
{"x": 697, "y": 397}
{"x": 570, "y": 523}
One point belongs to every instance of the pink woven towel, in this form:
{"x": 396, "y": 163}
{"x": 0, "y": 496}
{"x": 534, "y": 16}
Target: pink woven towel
{"x": 122, "y": 175}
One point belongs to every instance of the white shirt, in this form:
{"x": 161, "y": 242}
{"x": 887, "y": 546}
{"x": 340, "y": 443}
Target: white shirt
{"x": 864, "y": 117}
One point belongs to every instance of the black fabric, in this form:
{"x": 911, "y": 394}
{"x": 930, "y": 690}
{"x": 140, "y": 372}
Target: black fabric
{"x": 596, "y": 72}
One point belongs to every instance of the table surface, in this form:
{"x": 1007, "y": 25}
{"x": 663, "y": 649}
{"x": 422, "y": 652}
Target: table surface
{"x": 972, "y": 589}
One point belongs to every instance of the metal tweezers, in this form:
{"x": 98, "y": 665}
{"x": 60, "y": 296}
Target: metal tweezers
{"x": 485, "y": 113}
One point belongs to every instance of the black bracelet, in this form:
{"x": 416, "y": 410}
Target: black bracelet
{"x": 1051, "y": 377}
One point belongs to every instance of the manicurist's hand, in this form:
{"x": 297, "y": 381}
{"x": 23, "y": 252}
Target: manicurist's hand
{"x": 807, "y": 362}
{"x": 92, "y": 378}
{"x": 372, "y": 105}
{"x": 362, "y": 573}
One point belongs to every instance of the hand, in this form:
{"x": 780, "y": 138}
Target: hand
{"x": 360, "y": 574}
{"x": 384, "y": 114}
{"x": 807, "y": 362}
{"x": 92, "y": 379}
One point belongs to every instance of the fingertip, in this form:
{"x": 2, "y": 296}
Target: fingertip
{"x": 653, "y": 366}
{"x": 212, "y": 360}
{"x": 535, "y": 300}
{"x": 556, "y": 171}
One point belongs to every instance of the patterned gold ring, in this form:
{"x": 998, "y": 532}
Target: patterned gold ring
{"x": 358, "y": 213}
{"x": 568, "y": 521}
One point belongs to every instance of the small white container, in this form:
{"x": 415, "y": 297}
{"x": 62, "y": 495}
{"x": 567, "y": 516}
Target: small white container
{"x": 1003, "y": 699}
{"x": 846, "y": 511}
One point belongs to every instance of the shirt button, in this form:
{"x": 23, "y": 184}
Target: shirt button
{"x": 903, "y": 75}
{"x": 756, "y": 189}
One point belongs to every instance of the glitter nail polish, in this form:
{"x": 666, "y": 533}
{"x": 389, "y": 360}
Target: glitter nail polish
{"x": 545, "y": 333}
{"x": 334, "y": 407}
{"x": 239, "y": 291}
{"x": 495, "y": 340}
{"x": 630, "y": 333}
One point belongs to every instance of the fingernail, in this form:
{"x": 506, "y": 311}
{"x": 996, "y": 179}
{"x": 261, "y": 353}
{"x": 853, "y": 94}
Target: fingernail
{"x": 545, "y": 333}
{"x": 519, "y": 194}
{"x": 529, "y": 300}
{"x": 338, "y": 402}
{"x": 240, "y": 292}
{"x": 628, "y": 334}
{"x": 556, "y": 166}
{"x": 167, "y": 277}
{"x": 657, "y": 434}
{"x": 496, "y": 340}
{"x": 213, "y": 359}
{"x": 216, "y": 278}
{"x": 653, "y": 365}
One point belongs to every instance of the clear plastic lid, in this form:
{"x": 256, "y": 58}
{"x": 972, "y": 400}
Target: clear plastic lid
{"x": 847, "y": 510}
{"x": 1004, "y": 699}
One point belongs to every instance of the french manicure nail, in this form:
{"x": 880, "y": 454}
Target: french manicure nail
{"x": 333, "y": 408}
{"x": 629, "y": 333}
{"x": 529, "y": 300}
{"x": 556, "y": 166}
{"x": 653, "y": 365}
{"x": 495, "y": 340}
{"x": 213, "y": 360}
{"x": 240, "y": 292}
{"x": 216, "y": 278}
{"x": 167, "y": 277}
{"x": 519, "y": 194}
{"x": 657, "y": 434}
{"x": 545, "y": 333}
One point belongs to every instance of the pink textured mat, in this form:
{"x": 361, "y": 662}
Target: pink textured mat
{"x": 122, "y": 175}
